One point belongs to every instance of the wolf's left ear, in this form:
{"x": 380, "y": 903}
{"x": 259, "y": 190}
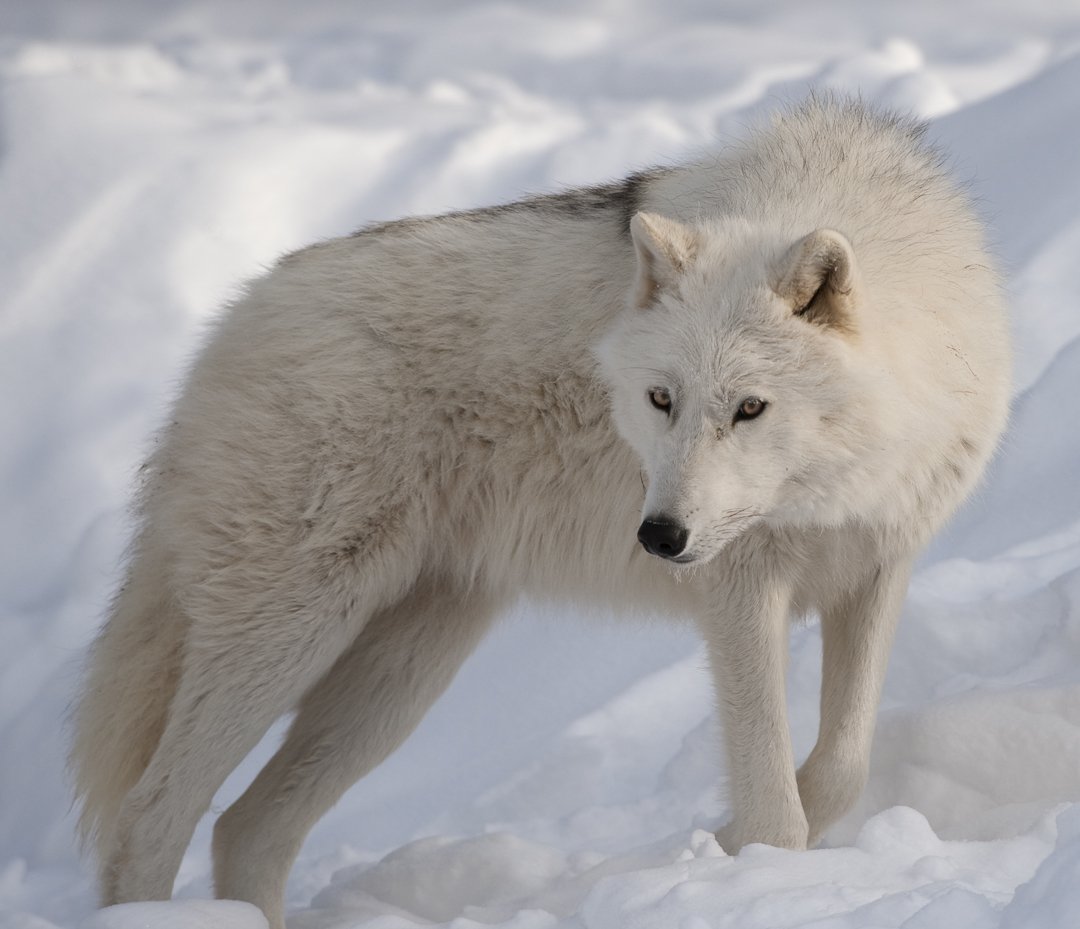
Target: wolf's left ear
{"x": 665, "y": 248}
{"x": 818, "y": 277}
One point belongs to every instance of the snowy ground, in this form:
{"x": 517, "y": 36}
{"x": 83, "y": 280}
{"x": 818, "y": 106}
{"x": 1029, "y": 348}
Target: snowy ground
{"x": 153, "y": 155}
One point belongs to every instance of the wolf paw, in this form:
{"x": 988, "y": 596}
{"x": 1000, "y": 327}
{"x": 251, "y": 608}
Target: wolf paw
{"x": 791, "y": 834}
{"x": 828, "y": 790}
{"x": 728, "y": 839}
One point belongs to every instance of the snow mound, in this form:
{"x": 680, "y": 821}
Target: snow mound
{"x": 186, "y": 914}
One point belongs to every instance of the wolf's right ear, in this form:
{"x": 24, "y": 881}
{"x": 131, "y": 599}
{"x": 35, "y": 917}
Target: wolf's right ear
{"x": 665, "y": 248}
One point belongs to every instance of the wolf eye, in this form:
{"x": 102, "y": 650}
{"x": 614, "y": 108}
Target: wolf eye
{"x": 661, "y": 399}
{"x": 750, "y": 408}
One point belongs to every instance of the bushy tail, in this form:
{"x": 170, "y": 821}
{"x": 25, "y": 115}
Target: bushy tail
{"x": 130, "y": 679}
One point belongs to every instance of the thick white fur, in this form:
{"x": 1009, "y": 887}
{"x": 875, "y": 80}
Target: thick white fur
{"x": 394, "y": 434}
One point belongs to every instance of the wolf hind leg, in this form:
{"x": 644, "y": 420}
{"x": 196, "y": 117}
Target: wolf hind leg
{"x": 356, "y": 715}
{"x": 241, "y": 669}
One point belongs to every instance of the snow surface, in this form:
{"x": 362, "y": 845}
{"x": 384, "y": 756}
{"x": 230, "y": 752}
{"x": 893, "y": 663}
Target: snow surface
{"x": 153, "y": 155}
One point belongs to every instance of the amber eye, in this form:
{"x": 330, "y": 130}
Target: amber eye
{"x": 661, "y": 399}
{"x": 750, "y": 408}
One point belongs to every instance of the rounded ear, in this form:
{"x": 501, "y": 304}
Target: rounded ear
{"x": 818, "y": 277}
{"x": 665, "y": 248}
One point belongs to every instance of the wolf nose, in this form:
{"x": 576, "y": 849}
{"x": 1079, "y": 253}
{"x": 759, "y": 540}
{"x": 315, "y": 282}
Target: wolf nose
{"x": 663, "y": 537}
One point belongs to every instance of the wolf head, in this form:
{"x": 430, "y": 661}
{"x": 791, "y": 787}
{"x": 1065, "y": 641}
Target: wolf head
{"x": 730, "y": 375}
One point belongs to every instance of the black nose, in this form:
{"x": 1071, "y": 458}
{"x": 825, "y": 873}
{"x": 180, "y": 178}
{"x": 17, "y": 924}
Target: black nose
{"x": 663, "y": 537}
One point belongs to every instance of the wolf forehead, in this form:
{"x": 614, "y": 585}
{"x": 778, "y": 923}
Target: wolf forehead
{"x": 723, "y": 311}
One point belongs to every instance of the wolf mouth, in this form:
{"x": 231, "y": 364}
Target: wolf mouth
{"x": 684, "y": 559}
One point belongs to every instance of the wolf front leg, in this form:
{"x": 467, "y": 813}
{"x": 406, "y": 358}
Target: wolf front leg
{"x": 747, "y": 638}
{"x": 857, "y": 634}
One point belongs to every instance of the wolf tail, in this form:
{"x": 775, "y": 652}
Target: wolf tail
{"x": 129, "y": 682}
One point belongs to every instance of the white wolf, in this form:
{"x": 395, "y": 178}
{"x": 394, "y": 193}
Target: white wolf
{"x": 799, "y": 349}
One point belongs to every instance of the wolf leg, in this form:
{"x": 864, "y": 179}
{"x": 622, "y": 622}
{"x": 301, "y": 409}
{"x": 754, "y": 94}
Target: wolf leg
{"x": 857, "y": 635}
{"x": 747, "y": 644}
{"x": 358, "y": 713}
{"x": 237, "y": 676}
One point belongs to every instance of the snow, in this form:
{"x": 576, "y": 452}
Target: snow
{"x": 187, "y": 914}
{"x": 155, "y": 155}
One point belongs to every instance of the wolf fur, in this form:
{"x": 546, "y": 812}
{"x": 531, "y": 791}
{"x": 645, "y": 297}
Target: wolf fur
{"x": 393, "y": 435}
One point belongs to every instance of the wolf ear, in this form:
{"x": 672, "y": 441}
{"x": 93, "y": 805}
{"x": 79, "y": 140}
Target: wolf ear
{"x": 665, "y": 248}
{"x": 818, "y": 277}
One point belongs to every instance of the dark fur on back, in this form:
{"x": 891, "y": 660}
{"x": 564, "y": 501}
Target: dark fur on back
{"x": 621, "y": 198}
